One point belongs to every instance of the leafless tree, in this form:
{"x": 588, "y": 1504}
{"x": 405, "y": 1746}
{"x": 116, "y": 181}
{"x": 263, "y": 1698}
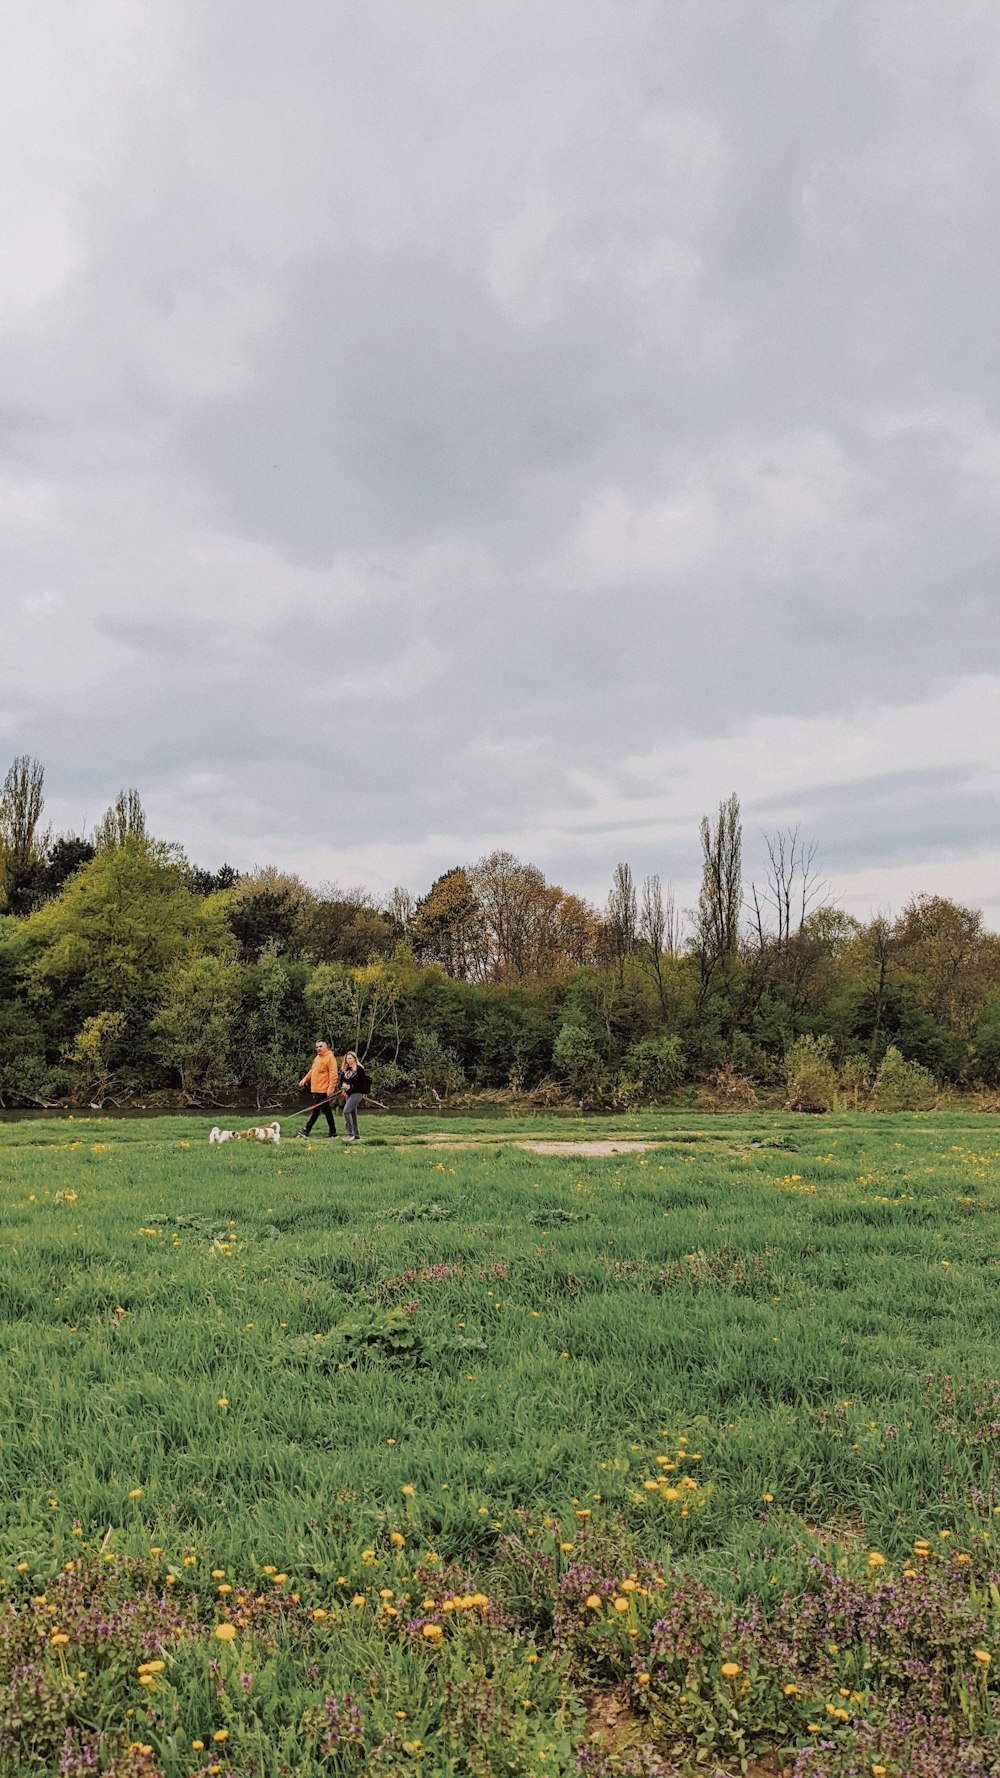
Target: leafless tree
{"x": 793, "y": 887}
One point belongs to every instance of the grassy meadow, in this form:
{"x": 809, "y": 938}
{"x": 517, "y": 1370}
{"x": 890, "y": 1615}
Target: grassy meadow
{"x": 439, "y": 1456}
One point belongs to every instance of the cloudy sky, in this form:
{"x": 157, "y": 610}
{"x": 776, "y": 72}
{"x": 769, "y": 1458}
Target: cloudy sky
{"x": 428, "y": 425}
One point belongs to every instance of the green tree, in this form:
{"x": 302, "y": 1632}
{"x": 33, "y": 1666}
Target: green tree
{"x": 95, "y": 1056}
{"x": 195, "y": 1023}
{"x": 621, "y": 921}
{"x": 267, "y": 910}
{"x": 274, "y": 1041}
{"x": 22, "y": 847}
{"x": 717, "y": 922}
{"x": 329, "y": 1001}
{"x": 957, "y": 963}
{"x": 447, "y": 925}
{"x": 986, "y": 1042}
{"x": 124, "y": 820}
{"x": 111, "y": 941}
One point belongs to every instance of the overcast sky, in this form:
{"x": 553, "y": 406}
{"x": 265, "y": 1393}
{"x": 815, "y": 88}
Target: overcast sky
{"x": 432, "y": 425}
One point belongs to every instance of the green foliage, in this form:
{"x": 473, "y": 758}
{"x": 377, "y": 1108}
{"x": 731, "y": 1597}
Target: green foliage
{"x": 810, "y": 1076}
{"x": 902, "y": 1086}
{"x": 110, "y": 941}
{"x": 267, "y": 911}
{"x": 652, "y": 1068}
{"x": 329, "y": 1002}
{"x": 578, "y": 1061}
{"x": 275, "y": 1038}
{"x": 96, "y": 1053}
{"x": 195, "y": 1021}
{"x": 435, "y": 1071}
{"x": 986, "y": 1042}
{"x": 224, "y": 982}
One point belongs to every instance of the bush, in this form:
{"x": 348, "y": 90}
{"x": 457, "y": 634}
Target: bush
{"x": 651, "y": 1069}
{"x": 856, "y": 1076}
{"x": 727, "y": 1090}
{"x": 902, "y": 1086}
{"x": 810, "y": 1076}
{"x": 435, "y": 1070}
{"x": 576, "y": 1058}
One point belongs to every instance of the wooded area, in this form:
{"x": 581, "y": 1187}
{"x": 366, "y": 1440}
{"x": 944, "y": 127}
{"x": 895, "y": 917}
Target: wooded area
{"x": 125, "y": 971}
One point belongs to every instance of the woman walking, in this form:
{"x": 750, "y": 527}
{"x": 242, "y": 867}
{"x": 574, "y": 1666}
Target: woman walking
{"x": 355, "y": 1084}
{"x": 322, "y": 1082}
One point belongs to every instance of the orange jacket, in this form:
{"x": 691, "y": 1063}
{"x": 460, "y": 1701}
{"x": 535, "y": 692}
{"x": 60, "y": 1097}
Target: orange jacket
{"x": 323, "y": 1074}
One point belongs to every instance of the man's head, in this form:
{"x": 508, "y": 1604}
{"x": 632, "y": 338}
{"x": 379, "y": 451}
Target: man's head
{"x": 321, "y": 1048}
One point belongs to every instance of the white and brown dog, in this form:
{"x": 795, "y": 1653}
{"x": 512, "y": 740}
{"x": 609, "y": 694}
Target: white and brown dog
{"x": 259, "y": 1133}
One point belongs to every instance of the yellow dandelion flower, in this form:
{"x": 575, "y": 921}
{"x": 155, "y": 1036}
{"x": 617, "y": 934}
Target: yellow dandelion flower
{"x": 730, "y": 1669}
{"x": 225, "y": 1632}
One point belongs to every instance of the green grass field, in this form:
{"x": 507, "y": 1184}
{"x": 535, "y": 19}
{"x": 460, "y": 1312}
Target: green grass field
{"x": 484, "y": 1461}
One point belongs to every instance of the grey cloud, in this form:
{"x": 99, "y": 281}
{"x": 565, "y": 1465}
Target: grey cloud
{"x": 674, "y": 323}
{"x": 902, "y": 817}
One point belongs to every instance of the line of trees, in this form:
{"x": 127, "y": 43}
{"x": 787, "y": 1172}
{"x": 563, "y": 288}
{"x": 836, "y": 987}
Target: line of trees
{"x": 125, "y": 971}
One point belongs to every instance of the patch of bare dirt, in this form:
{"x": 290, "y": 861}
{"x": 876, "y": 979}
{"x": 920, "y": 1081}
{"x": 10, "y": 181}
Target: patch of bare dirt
{"x": 614, "y": 1727}
{"x": 585, "y": 1148}
{"x": 612, "y": 1723}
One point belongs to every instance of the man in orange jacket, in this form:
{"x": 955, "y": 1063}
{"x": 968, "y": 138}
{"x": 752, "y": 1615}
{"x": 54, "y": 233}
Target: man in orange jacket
{"x": 322, "y": 1082}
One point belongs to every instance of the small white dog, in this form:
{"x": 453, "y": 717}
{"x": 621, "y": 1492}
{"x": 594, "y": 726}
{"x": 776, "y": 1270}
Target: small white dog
{"x": 260, "y": 1132}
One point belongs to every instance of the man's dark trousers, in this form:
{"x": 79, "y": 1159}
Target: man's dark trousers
{"x": 326, "y": 1109}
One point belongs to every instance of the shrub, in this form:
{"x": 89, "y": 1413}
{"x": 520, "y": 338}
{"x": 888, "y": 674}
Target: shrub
{"x": 575, "y": 1057}
{"x": 651, "y": 1069}
{"x": 810, "y": 1076}
{"x": 435, "y": 1070}
{"x": 902, "y": 1086}
{"x": 726, "y": 1090}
